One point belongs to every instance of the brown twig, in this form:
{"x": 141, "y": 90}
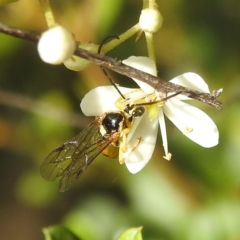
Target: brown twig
{"x": 156, "y": 82}
{"x": 14, "y": 32}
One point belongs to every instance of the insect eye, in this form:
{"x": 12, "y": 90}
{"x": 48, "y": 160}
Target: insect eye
{"x": 138, "y": 111}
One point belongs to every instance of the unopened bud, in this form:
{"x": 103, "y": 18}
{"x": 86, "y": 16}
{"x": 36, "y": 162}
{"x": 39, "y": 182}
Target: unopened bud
{"x": 56, "y": 45}
{"x": 150, "y": 20}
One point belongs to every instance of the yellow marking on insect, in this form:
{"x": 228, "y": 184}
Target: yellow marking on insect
{"x": 102, "y": 130}
{"x": 111, "y": 151}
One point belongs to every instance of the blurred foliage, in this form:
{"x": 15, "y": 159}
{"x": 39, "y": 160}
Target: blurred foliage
{"x": 132, "y": 234}
{"x": 58, "y": 232}
{"x": 194, "y": 196}
{"x": 4, "y": 2}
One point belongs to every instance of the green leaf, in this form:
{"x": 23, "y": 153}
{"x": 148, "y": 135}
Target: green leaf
{"x": 4, "y": 2}
{"x": 132, "y": 234}
{"x": 58, "y": 232}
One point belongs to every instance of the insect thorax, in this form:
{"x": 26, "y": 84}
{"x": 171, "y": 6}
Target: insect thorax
{"x": 112, "y": 122}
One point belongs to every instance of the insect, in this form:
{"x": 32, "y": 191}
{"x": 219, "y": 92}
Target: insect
{"x": 70, "y": 160}
{"x": 107, "y": 135}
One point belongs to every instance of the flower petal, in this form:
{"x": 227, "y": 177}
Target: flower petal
{"x": 144, "y": 64}
{"x": 164, "y": 134}
{"x": 191, "y": 80}
{"x": 101, "y": 99}
{"x": 141, "y": 144}
{"x": 192, "y": 122}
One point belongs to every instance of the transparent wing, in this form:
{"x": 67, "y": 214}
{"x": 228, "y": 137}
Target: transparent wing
{"x": 71, "y": 159}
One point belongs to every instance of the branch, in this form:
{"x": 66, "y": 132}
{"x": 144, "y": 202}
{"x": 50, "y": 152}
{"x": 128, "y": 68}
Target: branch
{"x": 14, "y": 32}
{"x": 157, "y": 83}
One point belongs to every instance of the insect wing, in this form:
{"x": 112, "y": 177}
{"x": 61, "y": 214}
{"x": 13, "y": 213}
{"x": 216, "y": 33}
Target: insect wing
{"x": 71, "y": 159}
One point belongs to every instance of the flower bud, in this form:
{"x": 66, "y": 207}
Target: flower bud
{"x": 150, "y": 20}
{"x": 56, "y": 45}
{"x": 76, "y": 63}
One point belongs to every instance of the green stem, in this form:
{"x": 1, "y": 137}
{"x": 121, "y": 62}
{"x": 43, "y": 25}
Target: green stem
{"x": 150, "y": 46}
{"x": 153, "y": 4}
{"x": 122, "y": 38}
{"x": 145, "y": 4}
{"x": 47, "y": 10}
{"x": 150, "y": 4}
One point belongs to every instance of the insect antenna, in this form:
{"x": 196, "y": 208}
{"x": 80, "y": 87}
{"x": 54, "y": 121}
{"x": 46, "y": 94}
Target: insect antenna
{"x": 160, "y": 100}
{"x": 104, "y": 70}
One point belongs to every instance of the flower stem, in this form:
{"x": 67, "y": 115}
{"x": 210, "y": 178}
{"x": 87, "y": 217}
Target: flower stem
{"x": 122, "y": 38}
{"x": 47, "y": 10}
{"x": 150, "y": 4}
{"x": 145, "y": 3}
{"x": 153, "y": 4}
{"x": 149, "y": 36}
{"x": 150, "y": 46}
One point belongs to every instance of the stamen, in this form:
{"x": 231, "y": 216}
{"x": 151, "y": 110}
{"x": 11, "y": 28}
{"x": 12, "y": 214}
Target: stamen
{"x": 187, "y": 130}
{"x": 168, "y": 156}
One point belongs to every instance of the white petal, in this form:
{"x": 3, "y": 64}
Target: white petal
{"x": 101, "y": 99}
{"x": 163, "y": 133}
{"x": 190, "y": 80}
{"x": 192, "y": 122}
{"x": 141, "y": 144}
{"x": 144, "y": 64}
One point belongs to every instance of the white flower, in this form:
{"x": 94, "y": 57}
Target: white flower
{"x": 56, "y": 45}
{"x": 141, "y": 139}
{"x": 150, "y": 20}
